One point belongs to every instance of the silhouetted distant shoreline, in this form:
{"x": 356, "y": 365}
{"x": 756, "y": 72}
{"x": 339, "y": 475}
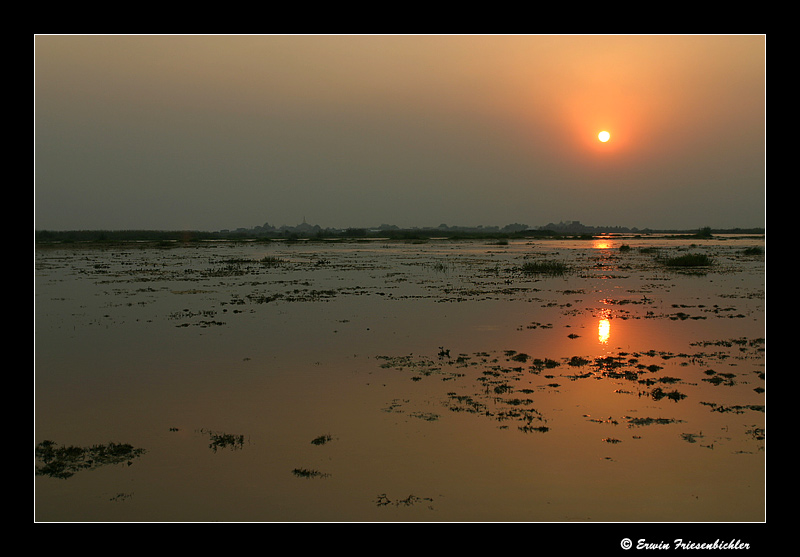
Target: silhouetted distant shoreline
{"x": 305, "y": 231}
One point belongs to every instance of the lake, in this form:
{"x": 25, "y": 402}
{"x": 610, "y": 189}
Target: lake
{"x": 553, "y": 380}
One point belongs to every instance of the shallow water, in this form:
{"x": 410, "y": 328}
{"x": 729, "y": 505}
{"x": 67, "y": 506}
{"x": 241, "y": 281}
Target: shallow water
{"x": 452, "y": 386}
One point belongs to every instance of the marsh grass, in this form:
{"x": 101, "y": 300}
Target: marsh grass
{"x": 441, "y": 266}
{"x": 271, "y": 261}
{"x": 220, "y": 440}
{"x": 322, "y": 439}
{"x": 65, "y": 461}
{"x": 551, "y": 268}
{"x": 309, "y": 473}
{"x": 688, "y": 260}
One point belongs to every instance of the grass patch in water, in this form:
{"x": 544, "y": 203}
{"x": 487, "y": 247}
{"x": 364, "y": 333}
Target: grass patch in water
{"x": 552, "y": 268}
{"x": 63, "y": 462}
{"x": 271, "y": 261}
{"x": 309, "y": 473}
{"x": 322, "y": 439}
{"x": 689, "y": 260}
{"x": 221, "y": 440}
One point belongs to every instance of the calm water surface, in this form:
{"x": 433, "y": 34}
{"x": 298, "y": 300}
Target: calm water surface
{"x": 439, "y": 380}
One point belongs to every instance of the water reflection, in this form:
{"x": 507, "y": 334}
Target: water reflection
{"x": 603, "y": 330}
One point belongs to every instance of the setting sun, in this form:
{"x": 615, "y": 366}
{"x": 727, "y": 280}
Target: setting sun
{"x": 603, "y": 136}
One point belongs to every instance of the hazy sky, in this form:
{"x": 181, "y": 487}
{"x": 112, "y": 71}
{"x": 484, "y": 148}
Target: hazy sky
{"x": 213, "y": 132}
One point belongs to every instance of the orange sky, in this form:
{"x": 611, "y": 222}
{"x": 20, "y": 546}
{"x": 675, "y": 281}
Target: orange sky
{"x": 210, "y": 132}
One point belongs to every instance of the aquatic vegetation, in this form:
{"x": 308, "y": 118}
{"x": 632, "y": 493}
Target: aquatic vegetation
{"x": 528, "y": 429}
{"x": 309, "y": 473}
{"x": 753, "y": 251}
{"x": 736, "y": 408}
{"x": 688, "y": 260}
{"x": 551, "y": 268}
{"x": 650, "y": 421}
{"x": 577, "y": 361}
{"x": 221, "y": 440}
{"x": 441, "y": 266}
{"x": 690, "y": 437}
{"x": 322, "y": 439}
{"x": 383, "y": 501}
{"x": 427, "y": 416}
{"x": 271, "y": 261}
{"x": 658, "y": 393}
{"x": 65, "y": 461}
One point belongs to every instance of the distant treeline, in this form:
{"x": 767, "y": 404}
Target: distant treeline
{"x": 100, "y": 236}
{"x": 168, "y": 237}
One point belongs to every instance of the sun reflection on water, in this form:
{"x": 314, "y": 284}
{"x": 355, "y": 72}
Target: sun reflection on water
{"x": 603, "y": 330}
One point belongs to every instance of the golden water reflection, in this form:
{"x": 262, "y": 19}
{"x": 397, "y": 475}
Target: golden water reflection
{"x": 603, "y": 330}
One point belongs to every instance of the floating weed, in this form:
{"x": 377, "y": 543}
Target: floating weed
{"x": 551, "y": 268}
{"x": 223, "y": 440}
{"x": 427, "y": 416}
{"x": 577, "y": 361}
{"x": 547, "y": 363}
{"x": 688, "y": 260}
{"x": 384, "y": 501}
{"x": 650, "y": 421}
{"x": 658, "y": 393}
{"x": 690, "y": 437}
{"x": 309, "y": 473}
{"x": 753, "y": 251}
{"x": 271, "y": 261}
{"x": 322, "y": 439}
{"x": 441, "y": 266}
{"x": 529, "y": 429}
{"x": 65, "y": 461}
{"x": 736, "y": 409}
{"x": 520, "y": 357}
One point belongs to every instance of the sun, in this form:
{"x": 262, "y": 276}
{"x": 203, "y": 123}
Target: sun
{"x": 603, "y": 136}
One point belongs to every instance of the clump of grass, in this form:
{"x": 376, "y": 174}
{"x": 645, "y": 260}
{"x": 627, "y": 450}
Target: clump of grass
{"x": 65, "y": 461}
{"x": 658, "y": 393}
{"x": 321, "y": 440}
{"x": 221, "y": 440}
{"x": 271, "y": 261}
{"x": 755, "y": 250}
{"x": 520, "y": 357}
{"x": 689, "y": 260}
{"x": 441, "y": 266}
{"x": 309, "y": 473}
{"x": 553, "y": 268}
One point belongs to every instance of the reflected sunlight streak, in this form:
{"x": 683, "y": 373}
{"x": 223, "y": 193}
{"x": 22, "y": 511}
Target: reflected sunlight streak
{"x": 603, "y": 330}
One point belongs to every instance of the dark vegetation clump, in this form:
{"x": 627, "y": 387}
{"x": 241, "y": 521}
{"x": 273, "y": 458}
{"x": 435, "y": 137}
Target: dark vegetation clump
{"x": 689, "y": 260}
{"x": 551, "y": 268}
{"x": 65, "y": 461}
